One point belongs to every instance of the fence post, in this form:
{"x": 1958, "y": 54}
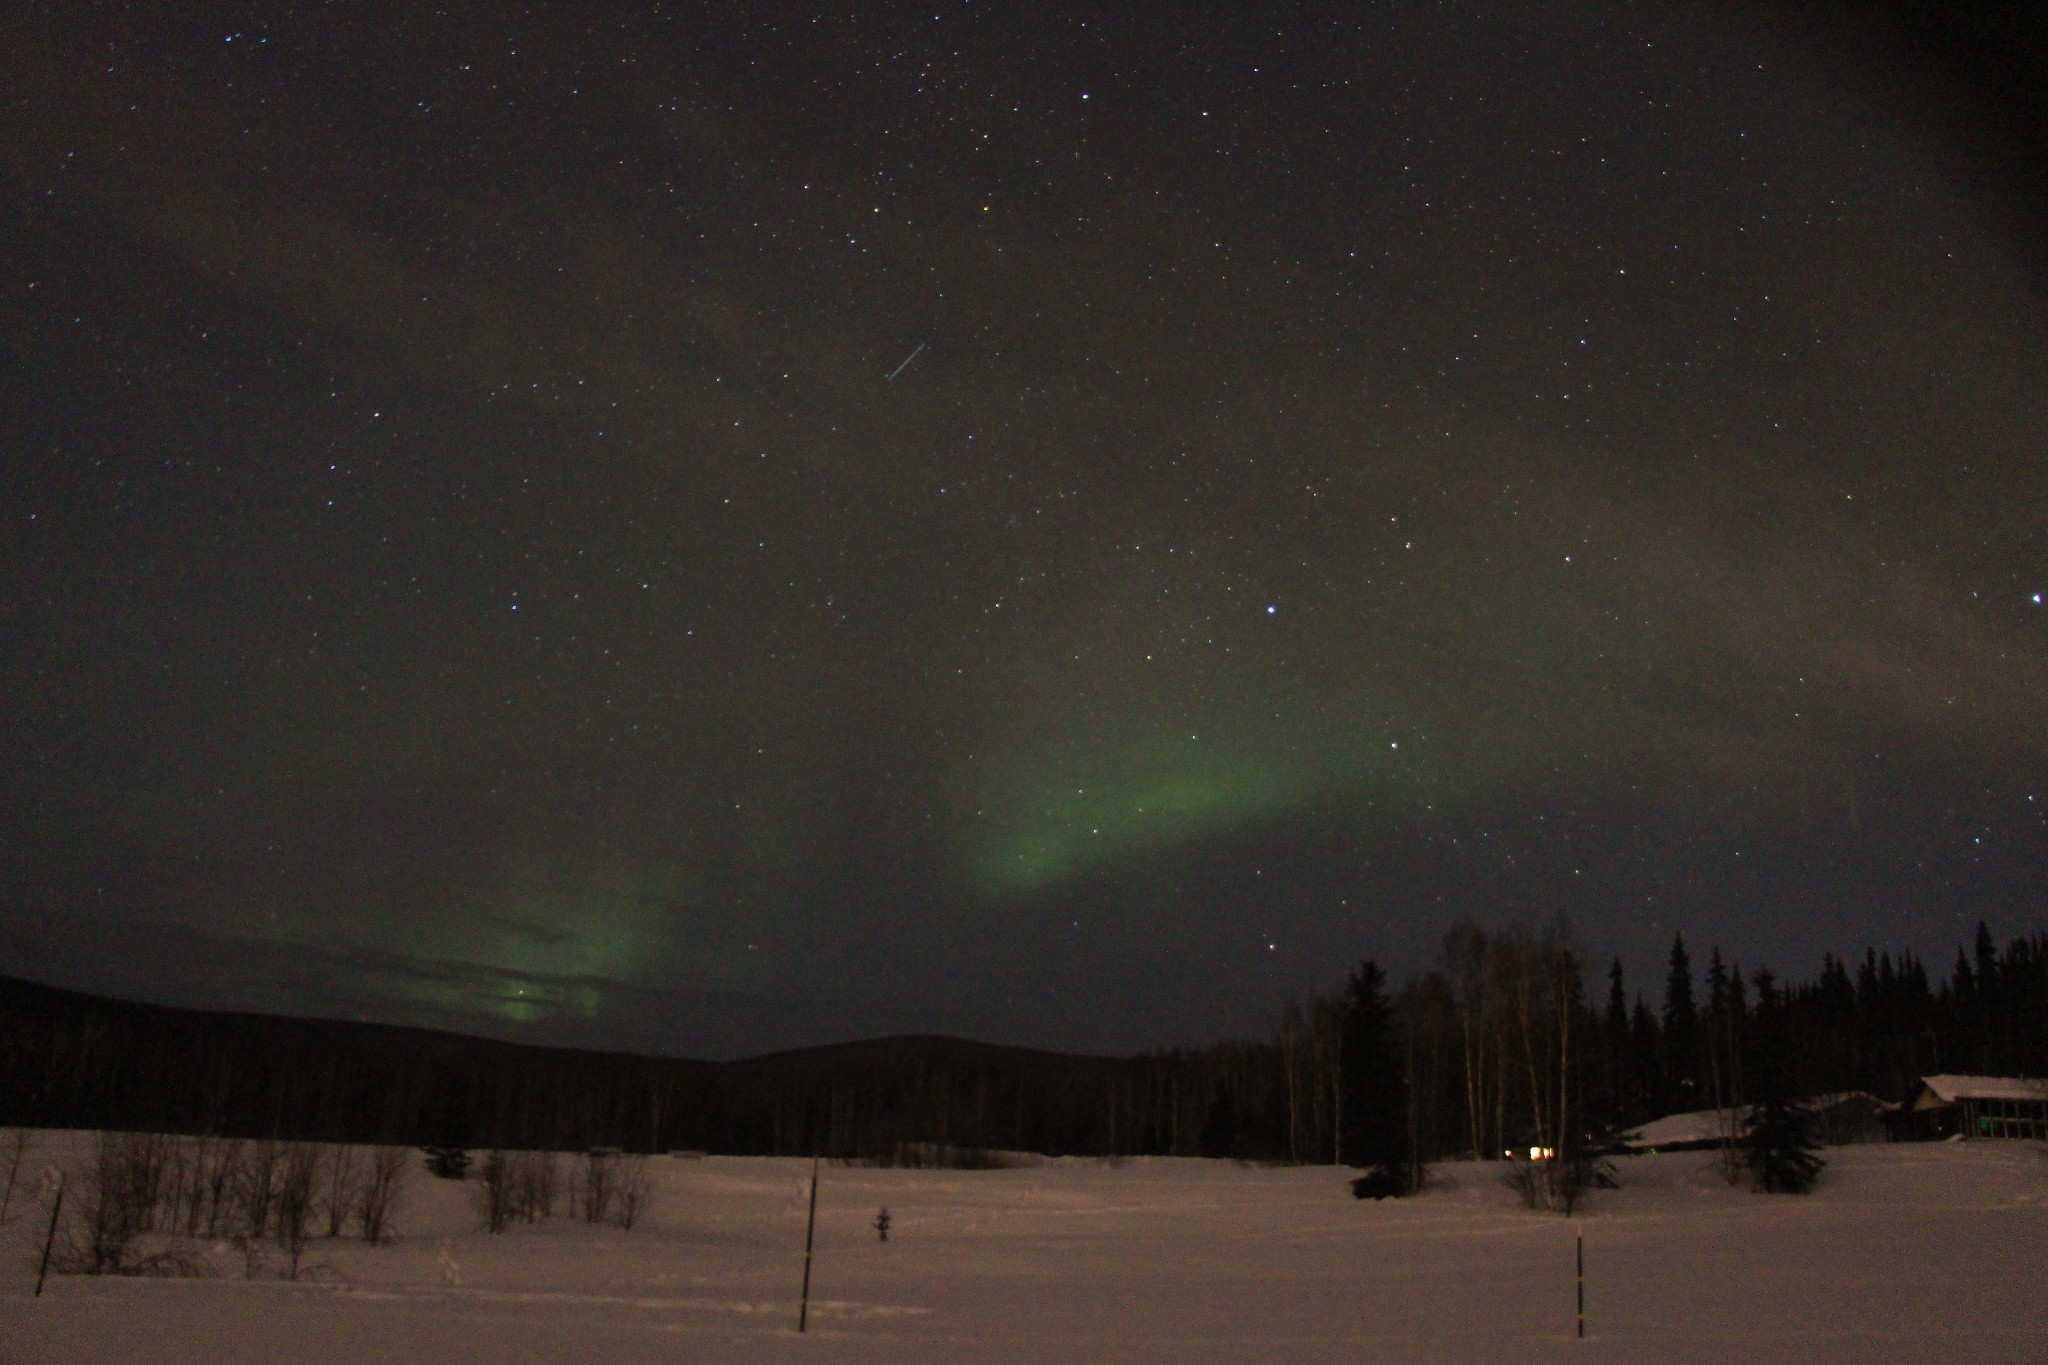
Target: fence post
{"x": 1582, "y": 1282}
{"x": 50, "y": 1238}
{"x": 803, "y": 1313}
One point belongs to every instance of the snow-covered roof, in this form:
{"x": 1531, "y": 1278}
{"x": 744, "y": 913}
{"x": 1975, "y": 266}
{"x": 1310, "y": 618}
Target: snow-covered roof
{"x": 1949, "y": 1089}
{"x": 1704, "y": 1125}
{"x": 1714, "y": 1125}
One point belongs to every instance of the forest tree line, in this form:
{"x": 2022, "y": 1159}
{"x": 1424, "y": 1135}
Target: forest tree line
{"x": 1498, "y": 1045}
{"x": 1504, "y": 1046}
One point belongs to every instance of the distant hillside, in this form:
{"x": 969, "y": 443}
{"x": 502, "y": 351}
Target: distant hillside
{"x": 71, "y": 1060}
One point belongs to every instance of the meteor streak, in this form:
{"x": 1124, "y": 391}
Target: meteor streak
{"x": 906, "y": 361}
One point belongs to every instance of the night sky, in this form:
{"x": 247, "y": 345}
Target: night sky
{"x": 717, "y": 529}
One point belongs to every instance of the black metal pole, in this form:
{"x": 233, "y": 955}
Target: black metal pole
{"x": 803, "y": 1313}
{"x": 1582, "y": 1282}
{"x": 50, "y": 1238}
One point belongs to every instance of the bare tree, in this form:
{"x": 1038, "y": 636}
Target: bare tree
{"x": 519, "y": 1187}
{"x": 1326, "y": 1064}
{"x": 179, "y": 1175}
{"x": 1568, "y": 1164}
{"x": 1535, "y": 977}
{"x": 1294, "y": 1063}
{"x": 12, "y": 1150}
{"x": 1464, "y": 957}
{"x": 120, "y": 1194}
{"x": 298, "y": 1169}
{"x": 1725, "y": 1009}
{"x": 220, "y": 1179}
{"x": 199, "y": 1156}
{"x": 115, "y": 1208}
{"x": 535, "y": 1177}
{"x": 377, "y": 1197}
{"x": 344, "y": 1174}
{"x": 256, "y": 1189}
{"x": 1519, "y": 978}
{"x": 147, "y": 1164}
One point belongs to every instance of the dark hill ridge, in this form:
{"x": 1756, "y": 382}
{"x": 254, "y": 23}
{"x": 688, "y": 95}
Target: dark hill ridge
{"x": 73, "y": 1060}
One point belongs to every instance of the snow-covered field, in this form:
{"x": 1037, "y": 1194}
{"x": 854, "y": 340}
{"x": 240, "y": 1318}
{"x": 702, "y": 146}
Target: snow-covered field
{"x": 1936, "y": 1253}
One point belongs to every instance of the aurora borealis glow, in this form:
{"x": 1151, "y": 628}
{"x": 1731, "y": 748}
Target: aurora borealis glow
{"x": 469, "y": 562}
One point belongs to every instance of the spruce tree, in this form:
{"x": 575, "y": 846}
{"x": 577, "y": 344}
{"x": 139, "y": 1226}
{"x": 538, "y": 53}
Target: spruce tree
{"x": 1681, "y": 1027}
{"x": 1778, "y": 1141}
{"x": 1621, "y": 1098}
{"x": 1646, "y": 1046}
{"x": 1375, "y": 1102}
{"x": 1988, "y": 1052}
{"x": 1720, "y": 1055}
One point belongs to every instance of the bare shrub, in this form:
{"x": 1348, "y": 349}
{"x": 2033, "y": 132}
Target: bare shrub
{"x": 1729, "y": 1158}
{"x": 1560, "y": 1184}
{"x": 378, "y": 1194}
{"x": 142, "y": 1163}
{"x": 120, "y": 1199}
{"x": 630, "y": 1186}
{"x": 536, "y": 1175}
{"x": 494, "y": 1191}
{"x": 109, "y": 1218}
{"x": 1525, "y": 1178}
{"x": 515, "y": 1187}
{"x": 600, "y": 1183}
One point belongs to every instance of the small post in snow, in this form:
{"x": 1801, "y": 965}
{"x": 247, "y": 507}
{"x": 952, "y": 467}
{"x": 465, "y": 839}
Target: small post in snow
{"x": 803, "y": 1312}
{"x": 1582, "y": 1281}
{"x": 50, "y": 1238}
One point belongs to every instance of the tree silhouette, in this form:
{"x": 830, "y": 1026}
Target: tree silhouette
{"x": 1778, "y": 1139}
{"x": 1375, "y": 1107}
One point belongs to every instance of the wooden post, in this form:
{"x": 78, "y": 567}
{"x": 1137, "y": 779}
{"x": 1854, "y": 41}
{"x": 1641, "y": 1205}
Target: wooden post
{"x": 803, "y": 1313}
{"x": 50, "y": 1238}
{"x": 1582, "y": 1282}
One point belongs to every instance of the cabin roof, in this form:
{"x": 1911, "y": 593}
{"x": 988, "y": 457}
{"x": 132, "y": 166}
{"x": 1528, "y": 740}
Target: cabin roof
{"x": 1705, "y": 1126}
{"x": 1938, "y": 1090}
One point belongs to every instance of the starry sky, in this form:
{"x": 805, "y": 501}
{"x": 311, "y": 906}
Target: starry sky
{"x": 718, "y": 528}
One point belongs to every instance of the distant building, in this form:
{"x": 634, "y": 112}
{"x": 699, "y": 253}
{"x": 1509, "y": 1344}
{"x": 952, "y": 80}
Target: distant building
{"x": 1851, "y": 1116}
{"x": 1690, "y": 1132}
{"x": 1974, "y": 1107}
{"x": 1840, "y": 1119}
